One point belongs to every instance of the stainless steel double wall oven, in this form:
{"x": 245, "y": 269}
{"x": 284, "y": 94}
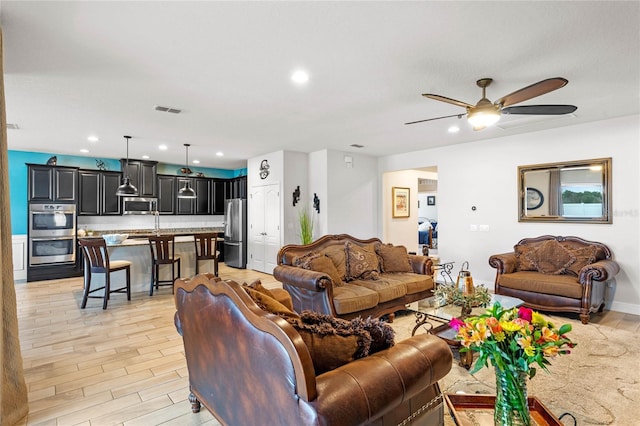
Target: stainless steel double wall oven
{"x": 52, "y": 234}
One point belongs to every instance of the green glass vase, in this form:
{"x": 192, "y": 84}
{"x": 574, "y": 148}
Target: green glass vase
{"x": 512, "y": 408}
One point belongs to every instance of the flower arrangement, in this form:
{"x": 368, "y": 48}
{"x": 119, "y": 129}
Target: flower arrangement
{"x": 514, "y": 341}
{"x": 450, "y": 294}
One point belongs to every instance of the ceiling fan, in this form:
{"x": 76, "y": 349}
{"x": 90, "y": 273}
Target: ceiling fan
{"x": 485, "y": 113}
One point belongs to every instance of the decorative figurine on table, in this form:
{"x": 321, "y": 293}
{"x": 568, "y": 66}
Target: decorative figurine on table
{"x": 463, "y": 293}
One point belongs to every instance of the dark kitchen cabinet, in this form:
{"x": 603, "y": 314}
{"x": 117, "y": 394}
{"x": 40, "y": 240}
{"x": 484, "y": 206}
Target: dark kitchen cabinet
{"x": 53, "y": 183}
{"x": 143, "y": 175}
{"x": 184, "y": 205}
{"x": 239, "y": 187}
{"x": 98, "y": 193}
{"x": 218, "y": 195}
{"x": 202, "y": 186}
{"x": 167, "y": 194}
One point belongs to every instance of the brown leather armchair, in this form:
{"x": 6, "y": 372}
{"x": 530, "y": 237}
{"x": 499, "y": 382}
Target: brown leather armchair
{"x": 251, "y": 367}
{"x": 577, "y": 286}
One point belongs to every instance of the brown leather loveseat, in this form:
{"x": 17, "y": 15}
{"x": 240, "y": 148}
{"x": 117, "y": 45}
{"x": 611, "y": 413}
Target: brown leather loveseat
{"x": 347, "y": 277}
{"x": 249, "y": 367}
{"x": 555, "y": 273}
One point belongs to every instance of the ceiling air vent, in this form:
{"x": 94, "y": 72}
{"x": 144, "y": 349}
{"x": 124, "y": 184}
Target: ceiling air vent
{"x": 167, "y": 109}
{"x": 12, "y": 126}
{"x": 357, "y": 145}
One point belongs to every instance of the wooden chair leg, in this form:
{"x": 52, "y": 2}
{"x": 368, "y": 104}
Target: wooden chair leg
{"x": 128, "y": 278}
{"x": 107, "y": 289}
{"x": 153, "y": 268}
{"x": 87, "y": 286}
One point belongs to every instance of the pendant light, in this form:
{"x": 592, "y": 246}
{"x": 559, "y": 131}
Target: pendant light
{"x": 126, "y": 189}
{"x": 186, "y": 191}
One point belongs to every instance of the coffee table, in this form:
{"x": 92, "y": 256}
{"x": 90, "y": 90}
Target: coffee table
{"x": 435, "y": 319}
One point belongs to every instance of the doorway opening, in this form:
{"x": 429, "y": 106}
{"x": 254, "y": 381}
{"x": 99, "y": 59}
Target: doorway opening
{"x": 428, "y": 211}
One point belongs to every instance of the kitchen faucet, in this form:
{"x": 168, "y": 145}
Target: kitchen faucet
{"x": 156, "y": 218}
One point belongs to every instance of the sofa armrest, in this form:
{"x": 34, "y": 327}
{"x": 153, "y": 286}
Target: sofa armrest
{"x": 505, "y": 263}
{"x": 369, "y": 387}
{"x": 302, "y": 278}
{"x": 421, "y": 264}
{"x": 601, "y": 270}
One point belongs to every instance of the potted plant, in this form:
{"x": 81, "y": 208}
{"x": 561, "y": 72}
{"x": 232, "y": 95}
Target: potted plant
{"x": 306, "y": 226}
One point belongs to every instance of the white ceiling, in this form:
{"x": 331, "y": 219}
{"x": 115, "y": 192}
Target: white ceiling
{"x": 78, "y": 68}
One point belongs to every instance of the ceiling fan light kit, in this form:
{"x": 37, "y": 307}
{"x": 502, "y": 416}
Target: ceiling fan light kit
{"x": 486, "y": 113}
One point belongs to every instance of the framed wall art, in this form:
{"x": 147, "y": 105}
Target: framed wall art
{"x": 431, "y": 200}
{"x": 400, "y": 200}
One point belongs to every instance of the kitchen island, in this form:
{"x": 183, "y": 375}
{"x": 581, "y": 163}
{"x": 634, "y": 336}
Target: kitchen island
{"x": 136, "y": 250}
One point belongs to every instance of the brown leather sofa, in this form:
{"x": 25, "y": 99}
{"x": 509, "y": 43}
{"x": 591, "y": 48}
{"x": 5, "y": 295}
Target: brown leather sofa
{"x": 251, "y": 367}
{"x": 402, "y": 278}
{"x": 555, "y": 273}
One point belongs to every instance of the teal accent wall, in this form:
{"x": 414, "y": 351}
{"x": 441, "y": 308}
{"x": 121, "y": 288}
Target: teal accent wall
{"x": 18, "y": 179}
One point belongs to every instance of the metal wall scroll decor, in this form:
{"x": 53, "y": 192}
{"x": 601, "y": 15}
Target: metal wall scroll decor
{"x": 296, "y": 196}
{"x": 264, "y": 169}
{"x": 316, "y": 202}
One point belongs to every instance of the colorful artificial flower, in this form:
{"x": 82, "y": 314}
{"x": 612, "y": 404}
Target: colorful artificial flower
{"x": 517, "y": 339}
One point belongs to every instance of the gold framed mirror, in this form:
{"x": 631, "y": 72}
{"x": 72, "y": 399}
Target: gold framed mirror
{"x": 572, "y": 191}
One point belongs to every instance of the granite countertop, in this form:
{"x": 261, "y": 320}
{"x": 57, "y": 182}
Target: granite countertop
{"x": 140, "y": 236}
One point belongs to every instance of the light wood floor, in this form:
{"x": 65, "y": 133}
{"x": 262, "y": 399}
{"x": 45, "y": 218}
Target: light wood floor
{"x": 125, "y": 365}
{"x": 122, "y": 366}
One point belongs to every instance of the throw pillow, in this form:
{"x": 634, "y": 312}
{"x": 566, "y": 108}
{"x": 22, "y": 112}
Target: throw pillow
{"x": 382, "y": 334}
{"x": 300, "y": 260}
{"x": 269, "y": 304}
{"x": 362, "y": 263}
{"x": 337, "y": 255}
{"x": 257, "y": 285}
{"x": 394, "y": 258}
{"x": 332, "y": 342}
{"x": 321, "y": 263}
{"x": 551, "y": 258}
{"x": 523, "y": 263}
{"x": 584, "y": 256}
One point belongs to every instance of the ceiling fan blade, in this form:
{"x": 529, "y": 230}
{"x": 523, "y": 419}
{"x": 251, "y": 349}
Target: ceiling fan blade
{"x": 529, "y": 92}
{"x": 437, "y": 118}
{"x": 447, "y": 100}
{"x": 540, "y": 109}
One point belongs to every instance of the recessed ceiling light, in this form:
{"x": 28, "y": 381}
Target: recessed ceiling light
{"x": 145, "y": 157}
{"x": 92, "y": 138}
{"x": 163, "y": 147}
{"x": 454, "y": 129}
{"x": 196, "y": 161}
{"x": 220, "y": 153}
{"x": 300, "y": 77}
{"x": 84, "y": 150}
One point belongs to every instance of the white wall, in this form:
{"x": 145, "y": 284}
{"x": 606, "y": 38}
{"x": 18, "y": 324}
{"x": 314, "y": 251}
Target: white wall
{"x": 318, "y": 184}
{"x": 351, "y": 202}
{"x": 295, "y": 174}
{"x": 484, "y": 174}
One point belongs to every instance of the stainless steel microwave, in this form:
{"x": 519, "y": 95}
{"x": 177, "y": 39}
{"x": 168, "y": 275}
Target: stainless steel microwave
{"x": 139, "y": 205}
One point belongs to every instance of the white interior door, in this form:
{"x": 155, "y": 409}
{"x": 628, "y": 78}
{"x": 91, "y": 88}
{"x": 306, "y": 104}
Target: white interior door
{"x": 256, "y": 228}
{"x": 264, "y": 227}
{"x": 272, "y": 226}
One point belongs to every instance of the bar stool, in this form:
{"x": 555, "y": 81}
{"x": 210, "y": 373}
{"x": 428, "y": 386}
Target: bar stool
{"x": 162, "y": 253}
{"x": 206, "y": 249}
{"x": 96, "y": 261}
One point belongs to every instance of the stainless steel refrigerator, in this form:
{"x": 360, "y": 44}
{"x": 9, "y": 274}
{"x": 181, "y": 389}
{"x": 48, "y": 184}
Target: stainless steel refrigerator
{"x": 235, "y": 233}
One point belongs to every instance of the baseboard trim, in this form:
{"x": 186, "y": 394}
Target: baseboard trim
{"x": 627, "y": 308}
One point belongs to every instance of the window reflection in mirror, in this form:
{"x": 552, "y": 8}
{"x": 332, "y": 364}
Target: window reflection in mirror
{"x": 576, "y": 191}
